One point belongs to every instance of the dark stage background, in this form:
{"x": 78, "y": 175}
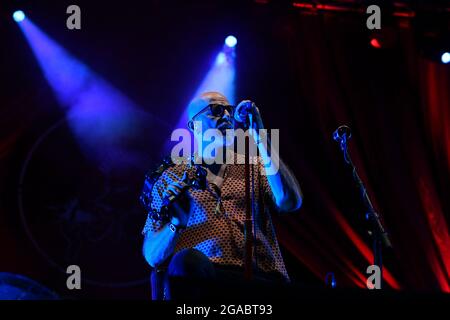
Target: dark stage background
{"x": 308, "y": 73}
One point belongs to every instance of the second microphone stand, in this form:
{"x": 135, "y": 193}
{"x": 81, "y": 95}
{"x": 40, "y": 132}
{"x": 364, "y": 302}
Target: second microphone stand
{"x": 378, "y": 233}
{"x": 249, "y": 197}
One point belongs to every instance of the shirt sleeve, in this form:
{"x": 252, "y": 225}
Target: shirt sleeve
{"x": 155, "y": 193}
{"x": 267, "y": 193}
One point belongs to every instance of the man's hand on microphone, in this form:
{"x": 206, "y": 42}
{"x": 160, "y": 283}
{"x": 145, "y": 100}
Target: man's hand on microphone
{"x": 257, "y": 119}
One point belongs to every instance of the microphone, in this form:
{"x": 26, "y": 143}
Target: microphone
{"x": 341, "y": 133}
{"x": 243, "y": 109}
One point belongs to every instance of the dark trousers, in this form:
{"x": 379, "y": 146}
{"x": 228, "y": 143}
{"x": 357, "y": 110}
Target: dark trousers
{"x": 192, "y": 276}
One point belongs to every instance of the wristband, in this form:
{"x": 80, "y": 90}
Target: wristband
{"x": 175, "y": 228}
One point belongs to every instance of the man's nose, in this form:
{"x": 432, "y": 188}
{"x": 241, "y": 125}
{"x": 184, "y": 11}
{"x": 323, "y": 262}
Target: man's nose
{"x": 227, "y": 115}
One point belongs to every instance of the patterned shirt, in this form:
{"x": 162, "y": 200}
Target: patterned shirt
{"x": 217, "y": 215}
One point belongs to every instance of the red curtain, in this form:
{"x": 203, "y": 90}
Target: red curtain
{"x": 397, "y": 103}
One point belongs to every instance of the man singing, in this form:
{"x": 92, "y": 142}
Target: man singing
{"x": 204, "y": 238}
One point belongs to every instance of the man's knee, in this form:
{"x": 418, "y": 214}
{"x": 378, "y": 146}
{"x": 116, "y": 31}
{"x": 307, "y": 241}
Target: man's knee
{"x": 190, "y": 263}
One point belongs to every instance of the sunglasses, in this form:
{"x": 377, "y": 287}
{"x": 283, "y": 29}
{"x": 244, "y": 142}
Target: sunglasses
{"x": 217, "y": 110}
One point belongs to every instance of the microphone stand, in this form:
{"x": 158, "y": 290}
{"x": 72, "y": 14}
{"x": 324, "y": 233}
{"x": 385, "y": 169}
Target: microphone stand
{"x": 379, "y": 235}
{"x": 248, "y": 223}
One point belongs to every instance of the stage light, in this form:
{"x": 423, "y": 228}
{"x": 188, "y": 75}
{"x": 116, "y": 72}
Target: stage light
{"x": 231, "y": 41}
{"x": 375, "y": 43}
{"x": 18, "y": 15}
{"x": 445, "y": 58}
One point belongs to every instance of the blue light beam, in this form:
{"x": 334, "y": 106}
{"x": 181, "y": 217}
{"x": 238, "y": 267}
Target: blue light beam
{"x": 103, "y": 120}
{"x": 220, "y": 78}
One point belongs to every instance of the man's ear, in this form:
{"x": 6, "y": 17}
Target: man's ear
{"x": 191, "y": 125}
